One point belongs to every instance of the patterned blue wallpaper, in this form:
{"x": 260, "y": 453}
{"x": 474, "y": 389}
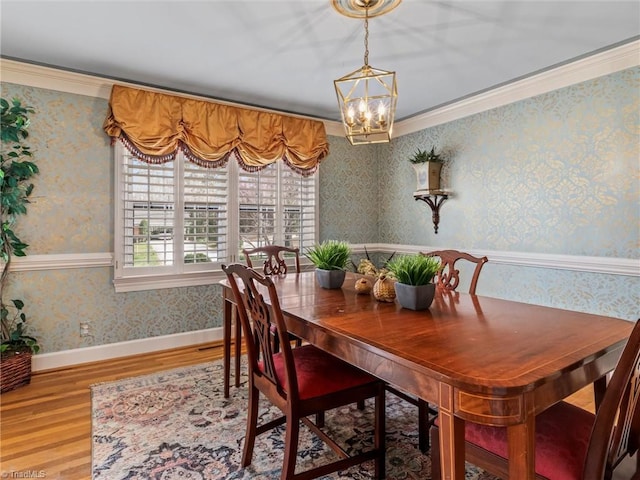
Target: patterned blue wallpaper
{"x": 558, "y": 173}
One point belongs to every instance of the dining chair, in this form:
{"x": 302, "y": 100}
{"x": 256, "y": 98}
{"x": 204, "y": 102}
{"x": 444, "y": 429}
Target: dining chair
{"x": 300, "y": 382}
{"x": 274, "y": 264}
{"x": 448, "y": 277}
{"x": 571, "y": 443}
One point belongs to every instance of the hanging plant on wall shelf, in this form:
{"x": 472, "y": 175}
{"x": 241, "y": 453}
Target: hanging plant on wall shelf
{"x": 427, "y": 166}
{"x": 16, "y": 170}
{"x": 422, "y": 156}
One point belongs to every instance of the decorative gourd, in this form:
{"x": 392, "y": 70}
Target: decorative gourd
{"x": 363, "y": 286}
{"x": 384, "y": 289}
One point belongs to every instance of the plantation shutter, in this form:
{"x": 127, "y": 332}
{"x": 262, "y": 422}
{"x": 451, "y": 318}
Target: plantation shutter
{"x": 298, "y": 196}
{"x": 206, "y": 215}
{"x": 148, "y": 215}
{"x": 258, "y": 204}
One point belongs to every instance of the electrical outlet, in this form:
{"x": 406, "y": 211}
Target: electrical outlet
{"x": 84, "y": 329}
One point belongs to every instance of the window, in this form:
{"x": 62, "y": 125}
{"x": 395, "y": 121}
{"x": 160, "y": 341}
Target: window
{"x": 177, "y": 222}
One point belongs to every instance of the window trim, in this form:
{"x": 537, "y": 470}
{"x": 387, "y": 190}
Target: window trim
{"x": 198, "y": 274}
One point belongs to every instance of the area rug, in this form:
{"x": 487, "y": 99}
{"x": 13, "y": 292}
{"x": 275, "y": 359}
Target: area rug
{"x": 177, "y": 425}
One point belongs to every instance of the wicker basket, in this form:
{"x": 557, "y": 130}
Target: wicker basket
{"x": 15, "y": 371}
{"x": 384, "y": 290}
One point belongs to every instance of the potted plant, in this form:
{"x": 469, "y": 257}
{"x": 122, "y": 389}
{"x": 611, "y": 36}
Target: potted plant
{"x": 16, "y": 346}
{"x": 331, "y": 259}
{"x": 427, "y": 166}
{"x": 414, "y": 280}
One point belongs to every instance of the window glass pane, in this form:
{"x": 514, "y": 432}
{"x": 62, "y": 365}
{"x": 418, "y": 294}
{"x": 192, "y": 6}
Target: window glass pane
{"x": 205, "y": 214}
{"x": 299, "y": 209}
{"x": 148, "y": 213}
{"x": 257, "y": 195}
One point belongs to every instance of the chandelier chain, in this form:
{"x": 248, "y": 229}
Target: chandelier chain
{"x": 366, "y": 36}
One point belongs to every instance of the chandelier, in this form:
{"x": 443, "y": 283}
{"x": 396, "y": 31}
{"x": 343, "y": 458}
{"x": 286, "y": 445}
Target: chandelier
{"x": 367, "y": 97}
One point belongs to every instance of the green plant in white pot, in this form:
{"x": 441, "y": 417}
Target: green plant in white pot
{"x": 414, "y": 280}
{"x": 331, "y": 259}
{"x": 427, "y": 166}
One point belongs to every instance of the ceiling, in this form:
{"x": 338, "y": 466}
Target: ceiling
{"x": 284, "y": 54}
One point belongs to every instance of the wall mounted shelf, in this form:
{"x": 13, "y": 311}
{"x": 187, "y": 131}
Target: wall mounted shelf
{"x": 435, "y": 199}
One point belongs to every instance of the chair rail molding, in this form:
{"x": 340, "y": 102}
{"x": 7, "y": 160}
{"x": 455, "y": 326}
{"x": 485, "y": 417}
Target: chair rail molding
{"x": 61, "y": 261}
{"x": 578, "y": 263}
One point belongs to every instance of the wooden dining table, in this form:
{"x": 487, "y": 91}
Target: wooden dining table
{"x": 479, "y": 359}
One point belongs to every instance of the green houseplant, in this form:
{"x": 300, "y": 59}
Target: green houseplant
{"x": 414, "y": 280}
{"x": 427, "y": 166}
{"x": 16, "y": 170}
{"x": 422, "y": 156}
{"x": 331, "y": 259}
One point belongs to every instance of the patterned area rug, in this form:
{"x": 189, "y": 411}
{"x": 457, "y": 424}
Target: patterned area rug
{"x": 177, "y": 425}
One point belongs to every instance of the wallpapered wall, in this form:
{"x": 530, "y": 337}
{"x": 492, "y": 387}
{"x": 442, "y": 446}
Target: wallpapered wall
{"x": 556, "y": 173}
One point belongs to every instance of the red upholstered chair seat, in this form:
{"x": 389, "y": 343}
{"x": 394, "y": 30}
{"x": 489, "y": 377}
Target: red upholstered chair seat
{"x": 558, "y": 456}
{"x": 319, "y": 373}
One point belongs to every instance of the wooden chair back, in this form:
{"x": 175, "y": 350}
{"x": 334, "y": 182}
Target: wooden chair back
{"x": 260, "y": 320}
{"x": 448, "y": 277}
{"x": 274, "y": 262}
{"x": 616, "y": 430}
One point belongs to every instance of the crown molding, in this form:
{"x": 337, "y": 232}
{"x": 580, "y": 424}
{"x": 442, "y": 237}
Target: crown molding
{"x": 55, "y": 79}
{"x": 32, "y": 75}
{"x": 588, "y": 68}
{"x": 597, "y": 65}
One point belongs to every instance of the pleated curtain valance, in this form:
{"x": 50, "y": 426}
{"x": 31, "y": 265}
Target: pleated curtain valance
{"x": 154, "y": 126}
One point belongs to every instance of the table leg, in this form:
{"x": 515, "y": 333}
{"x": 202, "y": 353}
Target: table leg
{"x": 522, "y": 447}
{"x": 226, "y": 343}
{"x": 599, "y": 387}
{"x": 451, "y": 437}
{"x": 238, "y": 345}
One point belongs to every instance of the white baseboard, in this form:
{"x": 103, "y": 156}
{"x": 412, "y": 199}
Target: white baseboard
{"x": 66, "y": 358}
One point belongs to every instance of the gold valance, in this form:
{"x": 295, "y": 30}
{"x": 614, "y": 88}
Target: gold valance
{"x": 154, "y": 126}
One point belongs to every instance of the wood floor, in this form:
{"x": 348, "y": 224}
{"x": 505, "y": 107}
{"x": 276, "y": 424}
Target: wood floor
{"x": 46, "y": 426}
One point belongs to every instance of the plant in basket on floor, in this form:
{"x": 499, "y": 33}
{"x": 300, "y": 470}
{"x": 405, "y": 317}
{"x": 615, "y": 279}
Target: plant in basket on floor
{"x": 16, "y": 345}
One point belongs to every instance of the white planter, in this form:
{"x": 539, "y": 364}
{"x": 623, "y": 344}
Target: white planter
{"x": 428, "y": 175}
